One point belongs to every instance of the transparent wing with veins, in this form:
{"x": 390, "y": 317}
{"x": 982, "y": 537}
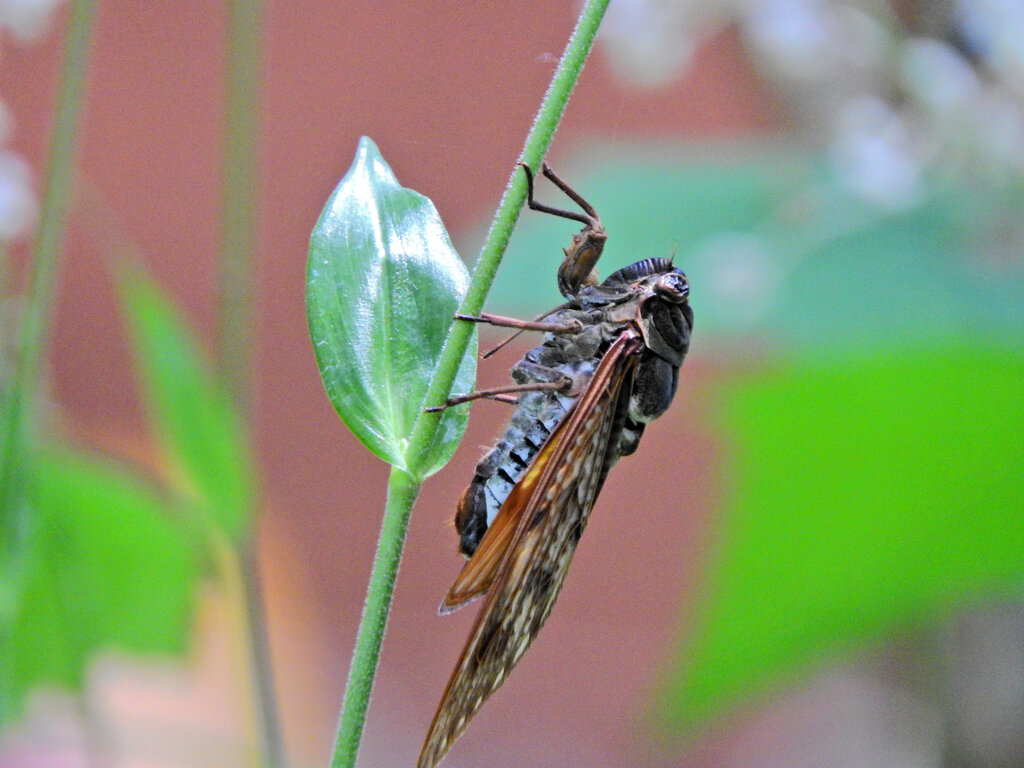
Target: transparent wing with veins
{"x": 550, "y": 504}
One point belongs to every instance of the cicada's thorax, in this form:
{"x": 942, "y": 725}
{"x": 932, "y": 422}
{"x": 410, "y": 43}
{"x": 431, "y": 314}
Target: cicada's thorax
{"x": 625, "y": 299}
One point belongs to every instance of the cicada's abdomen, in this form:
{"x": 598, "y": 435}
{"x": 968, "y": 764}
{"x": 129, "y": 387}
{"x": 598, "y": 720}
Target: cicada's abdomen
{"x": 537, "y": 414}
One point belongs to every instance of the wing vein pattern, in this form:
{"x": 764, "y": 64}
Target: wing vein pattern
{"x": 561, "y": 487}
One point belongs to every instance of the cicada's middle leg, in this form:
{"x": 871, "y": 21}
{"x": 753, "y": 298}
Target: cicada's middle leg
{"x": 557, "y": 382}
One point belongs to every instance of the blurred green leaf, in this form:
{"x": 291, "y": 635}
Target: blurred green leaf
{"x": 106, "y": 568}
{"x": 193, "y": 418}
{"x": 866, "y": 495}
{"x": 381, "y": 286}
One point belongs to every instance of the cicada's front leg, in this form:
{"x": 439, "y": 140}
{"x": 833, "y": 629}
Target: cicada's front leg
{"x": 577, "y": 269}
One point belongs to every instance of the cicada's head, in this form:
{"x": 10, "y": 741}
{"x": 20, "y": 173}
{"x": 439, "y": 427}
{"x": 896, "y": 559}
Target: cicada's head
{"x": 659, "y": 295}
{"x": 666, "y": 318}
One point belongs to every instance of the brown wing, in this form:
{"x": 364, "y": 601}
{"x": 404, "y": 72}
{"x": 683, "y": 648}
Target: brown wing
{"x": 478, "y": 574}
{"x": 557, "y": 494}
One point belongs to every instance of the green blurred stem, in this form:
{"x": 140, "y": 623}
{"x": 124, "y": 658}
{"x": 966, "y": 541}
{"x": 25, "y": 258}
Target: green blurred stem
{"x": 5, "y": 274}
{"x": 403, "y": 488}
{"x": 238, "y": 204}
{"x": 265, "y": 701}
{"x": 56, "y": 201}
{"x": 235, "y": 314}
{"x": 402, "y": 492}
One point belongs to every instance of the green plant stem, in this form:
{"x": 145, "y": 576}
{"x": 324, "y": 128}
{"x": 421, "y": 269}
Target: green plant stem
{"x": 402, "y": 492}
{"x": 535, "y": 147}
{"x": 56, "y": 201}
{"x": 403, "y": 488}
{"x": 235, "y": 314}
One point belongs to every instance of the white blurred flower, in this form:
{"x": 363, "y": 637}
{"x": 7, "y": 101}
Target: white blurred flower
{"x": 994, "y": 30}
{"x": 817, "y": 53}
{"x": 795, "y": 36}
{"x": 651, "y": 41}
{"x": 27, "y": 19}
{"x": 1000, "y": 129}
{"x": 937, "y": 76}
{"x": 873, "y": 154}
{"x": 976, "y": 120}
{"x": 739, "y": 277}
{"x": 18, "y": 205}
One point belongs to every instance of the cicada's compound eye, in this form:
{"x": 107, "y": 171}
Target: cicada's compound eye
{"x": 673, "y": 286}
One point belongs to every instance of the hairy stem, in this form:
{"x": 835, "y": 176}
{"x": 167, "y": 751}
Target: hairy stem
{"x": 535, "y": 147}
{"x": 402, "y": 492}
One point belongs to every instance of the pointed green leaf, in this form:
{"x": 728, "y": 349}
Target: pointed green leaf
{"x": 867, "y": 495}
{"x": 193, "y": 418}
{"x": 382, "y": 284}
{"x": 106, "y": 568}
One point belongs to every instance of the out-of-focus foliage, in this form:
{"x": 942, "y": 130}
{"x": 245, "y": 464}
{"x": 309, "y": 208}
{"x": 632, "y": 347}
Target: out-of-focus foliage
{"x": 192, "y": 418}
{"x": 864, "y": 495}
{"x": 105, "y": 567}
{"x": 109, "y": 560}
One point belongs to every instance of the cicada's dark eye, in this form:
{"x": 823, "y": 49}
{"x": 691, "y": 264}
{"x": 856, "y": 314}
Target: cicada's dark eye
{"x": 673, "y": 287}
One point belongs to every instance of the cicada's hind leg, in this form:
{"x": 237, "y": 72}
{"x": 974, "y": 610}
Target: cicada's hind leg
{"x": 589, "y": 216}
{"x": 564, "y": 384}
{"x": 530, "y": 377}
{"x": 577, "y": 269}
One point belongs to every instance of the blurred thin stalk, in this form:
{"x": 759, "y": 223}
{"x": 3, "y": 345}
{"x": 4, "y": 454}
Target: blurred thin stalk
{"x": 238, "y": 204}
{"x": 235, "y": 315}
{"x": 231, "y": 578}
{"x": 5, "y": 272}
{"x": 56, "y": 200}
{"x": 403, "y": 488}
{"x": 272, "y": 745}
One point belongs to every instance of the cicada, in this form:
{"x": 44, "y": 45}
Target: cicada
{"x": 608, "y": 366}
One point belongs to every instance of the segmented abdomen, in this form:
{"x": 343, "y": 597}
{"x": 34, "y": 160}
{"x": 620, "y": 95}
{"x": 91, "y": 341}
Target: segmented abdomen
{"x": 537, "y": 414}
